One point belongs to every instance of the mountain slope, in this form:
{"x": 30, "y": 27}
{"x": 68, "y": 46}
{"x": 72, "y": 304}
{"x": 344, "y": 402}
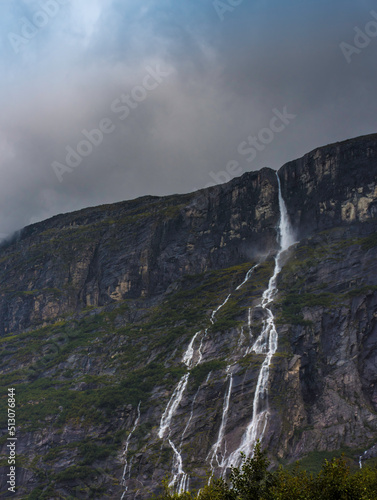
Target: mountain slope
{"x": 99, "y": 310}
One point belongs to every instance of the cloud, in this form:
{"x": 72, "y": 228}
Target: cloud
{"x": 225, "y": 79}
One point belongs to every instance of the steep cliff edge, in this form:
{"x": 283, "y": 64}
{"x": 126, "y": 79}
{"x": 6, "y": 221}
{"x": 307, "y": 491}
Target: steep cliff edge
{"x": 332, "y": 186}
{"x": 108, "y": 319}
{"x": 133, "y": 249}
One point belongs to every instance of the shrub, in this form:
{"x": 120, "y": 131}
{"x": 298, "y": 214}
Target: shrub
{"x": 254, "y": 481}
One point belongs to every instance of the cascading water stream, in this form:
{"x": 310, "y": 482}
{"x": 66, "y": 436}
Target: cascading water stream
{"x": 361, "y": 457}
{"x": 247, "y": 277}
{"x": 216, "y": 449}
{"x": 266, "y": 343}
{"x": 178, "y": 474}
{"x": 179, "y": 477}
{"x": 191, "y": 414}
{"x": 124, "y": 480}
{"x": 212, "y": 318}
{"x": 172, "y": 406}
{"x": 189, "y": 354}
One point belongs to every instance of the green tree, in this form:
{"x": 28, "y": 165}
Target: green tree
{"x": 334, "y": 481}
{"x": 253, "y": 481}
{"x": 295, "y": 485}
{"x": 216, "y": 490}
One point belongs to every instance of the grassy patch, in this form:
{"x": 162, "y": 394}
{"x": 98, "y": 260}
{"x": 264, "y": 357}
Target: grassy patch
{"x": 369, "y": 242}
{"x": 313, "y": 462}
{"x": 293, "y": 303}
{"x": 200, "y": 372}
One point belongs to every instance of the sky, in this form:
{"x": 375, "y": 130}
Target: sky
{"x": 107, "y": 100}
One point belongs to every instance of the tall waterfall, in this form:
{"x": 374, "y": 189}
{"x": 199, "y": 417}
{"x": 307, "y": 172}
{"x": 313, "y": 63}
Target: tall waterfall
{"x": 266, "y": 343}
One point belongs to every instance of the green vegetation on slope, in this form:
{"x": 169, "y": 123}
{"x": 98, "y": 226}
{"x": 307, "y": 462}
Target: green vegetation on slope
{"x": 48, "y": 362}
{"x": 254, "y": 481}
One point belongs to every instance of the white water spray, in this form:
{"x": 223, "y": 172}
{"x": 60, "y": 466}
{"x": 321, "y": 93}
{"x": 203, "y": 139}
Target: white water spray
{"x": 179, "y": 477}
{"x": 361, "y": 457}
{"x": 247, "y": 277}
{"x": 124, "y": 480}
{"x": 188, "y": 357}
{"x": 216, "y": 452}
{"x": 266, "y": 343}
{"x": 172, "y": 406}
{"x": 191, "y": 358}
{"x": 176, "y": 398}
{"x": 212, "y": 318}
{"x": 191, "y": 414}
{"x": 179, "y": 474}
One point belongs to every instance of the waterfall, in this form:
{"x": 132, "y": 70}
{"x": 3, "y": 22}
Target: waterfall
{"x": 178, "y": 474}
{"x": 191, "y": 358}
{"x": 172, "y": 406}
{"x": 177, "y": 470}
{"x": 247, "y": 277}
{"x": 361, "y": 457}
{"x": 176, "y": 398}
{"x": 212, "y": 318}
{"x": 217, "y": 447}
{"x": 266, "y": 343}
{"x": 191, "y": 414}
{"x": 286, "y": 234}
{"x": 124, "y": 480}
{"x": 189, "y": 354}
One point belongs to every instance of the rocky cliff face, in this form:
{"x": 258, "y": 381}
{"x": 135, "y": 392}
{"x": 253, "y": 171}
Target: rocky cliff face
{"x": 121, "y": 364}
{"x": 133, "y": 249}
{"x": 332, "y": 186}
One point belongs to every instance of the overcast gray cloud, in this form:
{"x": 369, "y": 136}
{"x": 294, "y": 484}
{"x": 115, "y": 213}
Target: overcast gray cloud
{"x": 179, "y": 85}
